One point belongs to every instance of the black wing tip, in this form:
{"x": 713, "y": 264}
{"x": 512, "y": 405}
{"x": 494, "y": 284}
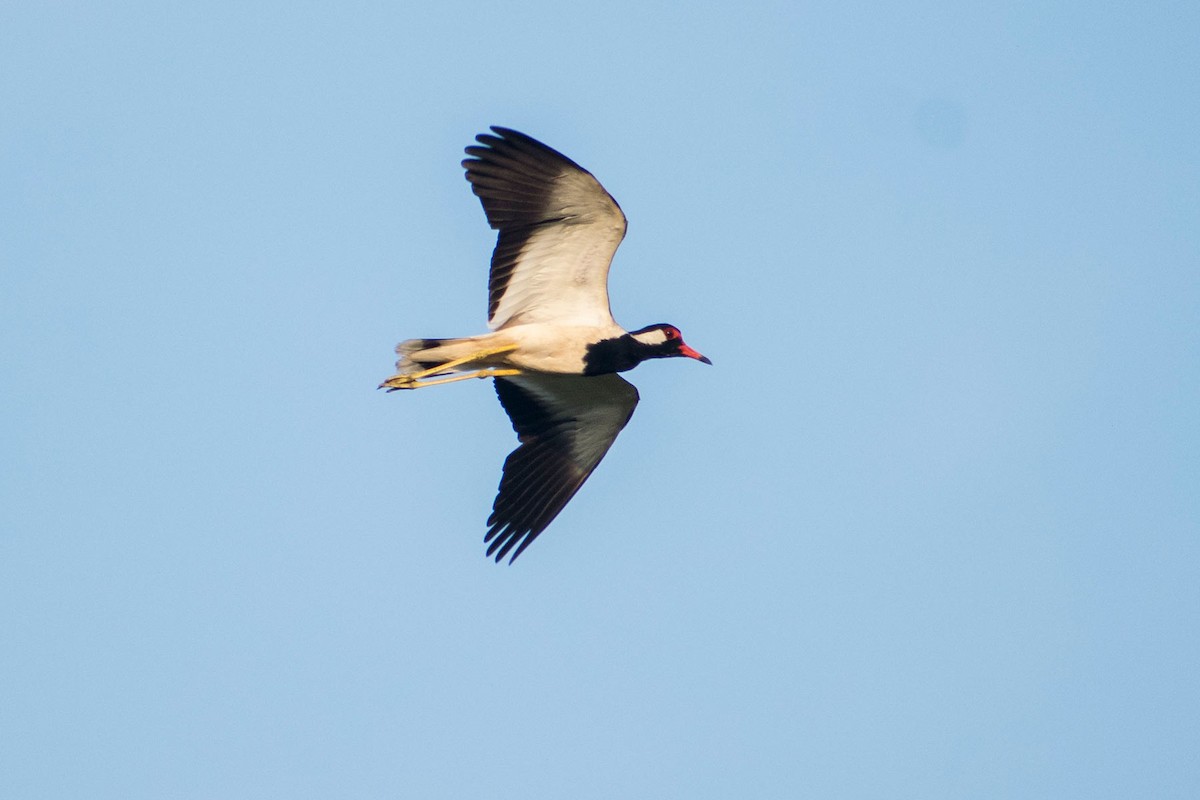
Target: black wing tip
{"x": 503, "y": 132}
{"x": 516, "y": 137}
{"x": 513, "y": 139}
{"x": 501, "y": 136}
{"x": 510, "y": 536}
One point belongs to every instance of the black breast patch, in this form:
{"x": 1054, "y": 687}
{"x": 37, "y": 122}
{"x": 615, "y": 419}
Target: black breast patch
{"x": 612, "y": 355}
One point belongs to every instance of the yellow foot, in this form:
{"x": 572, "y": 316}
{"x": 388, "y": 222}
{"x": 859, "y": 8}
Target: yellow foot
{"x": 400, "y": 381}
{"x": 412, "y": 381}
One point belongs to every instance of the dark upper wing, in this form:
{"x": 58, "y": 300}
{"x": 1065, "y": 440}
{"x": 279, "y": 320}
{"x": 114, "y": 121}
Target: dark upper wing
{"x": 558, "y": 230}
{"x": 566, "y": 423}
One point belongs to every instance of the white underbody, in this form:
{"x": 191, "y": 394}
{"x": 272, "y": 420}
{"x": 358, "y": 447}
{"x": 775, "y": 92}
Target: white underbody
{"x": 536, "y": 347}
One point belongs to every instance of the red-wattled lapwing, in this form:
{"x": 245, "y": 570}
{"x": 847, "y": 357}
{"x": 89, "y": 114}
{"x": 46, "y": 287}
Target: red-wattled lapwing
{"x": 554, "y": 349}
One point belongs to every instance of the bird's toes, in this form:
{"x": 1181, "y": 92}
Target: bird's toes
{"x": 400, "y": 381}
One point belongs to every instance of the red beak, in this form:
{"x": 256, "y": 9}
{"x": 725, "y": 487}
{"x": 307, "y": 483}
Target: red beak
{"x": 684, "y": 350}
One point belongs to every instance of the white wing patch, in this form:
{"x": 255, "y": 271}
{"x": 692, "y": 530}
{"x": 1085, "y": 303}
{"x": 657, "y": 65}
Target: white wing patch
{"x": 562, "y": 276}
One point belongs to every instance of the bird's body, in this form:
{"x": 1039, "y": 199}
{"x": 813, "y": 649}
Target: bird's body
{"x": 554, "y": 348}
{"x": 536, "y": 346}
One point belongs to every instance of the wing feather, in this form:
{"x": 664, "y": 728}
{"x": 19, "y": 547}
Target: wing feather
{"x": 558, "y": 231}
{"x": 566, "y": 424}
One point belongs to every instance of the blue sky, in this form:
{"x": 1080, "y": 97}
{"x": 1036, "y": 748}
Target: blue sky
{"x": 927, "y": 528}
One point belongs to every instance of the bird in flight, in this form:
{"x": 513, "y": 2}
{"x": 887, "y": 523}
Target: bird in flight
{"x": 554, "y": 350}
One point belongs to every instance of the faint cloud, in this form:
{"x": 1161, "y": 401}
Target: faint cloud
{"x": 941, "y": 123}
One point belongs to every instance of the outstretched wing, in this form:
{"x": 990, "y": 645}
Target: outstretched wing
{"x": 558, "y": 230}
{"x": 566, "y": 423}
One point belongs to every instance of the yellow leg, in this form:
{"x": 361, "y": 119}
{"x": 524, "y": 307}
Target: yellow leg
{"x": 409, "y": 380}
{"x": 392, "y": 384}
